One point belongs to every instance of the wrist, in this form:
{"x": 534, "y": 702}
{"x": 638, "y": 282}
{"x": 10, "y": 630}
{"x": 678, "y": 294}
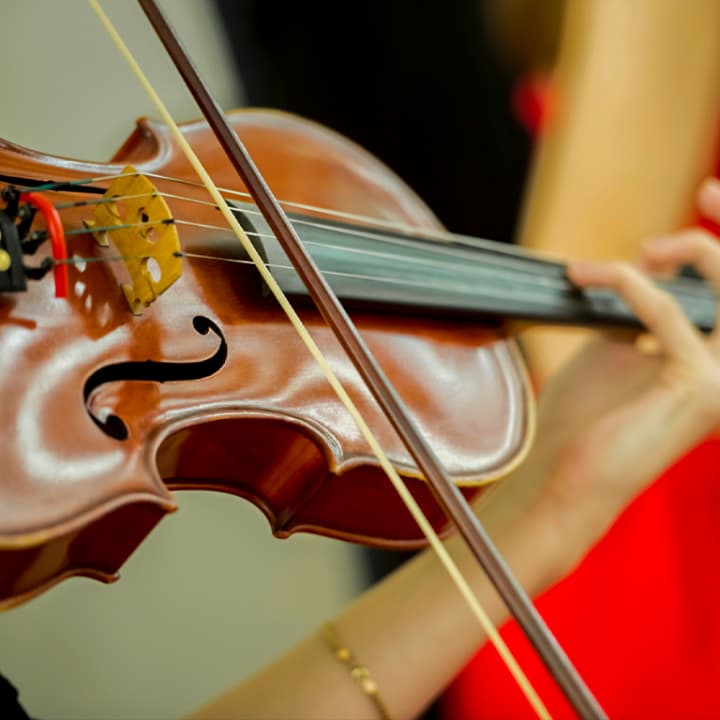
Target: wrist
{"x": 528, "y": 532}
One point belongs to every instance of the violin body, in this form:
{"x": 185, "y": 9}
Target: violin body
{"x": 105, "y": 412}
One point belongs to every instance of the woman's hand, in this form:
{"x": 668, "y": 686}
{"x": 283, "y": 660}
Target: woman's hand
{"x": 616, "y": 417}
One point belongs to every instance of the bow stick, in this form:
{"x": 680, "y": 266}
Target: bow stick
{"x": 444, "y": 491}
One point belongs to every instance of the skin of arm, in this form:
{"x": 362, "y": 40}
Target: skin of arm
{"x": 412, "y": 630}
{"x": 633, "y": 130}
{"x": 640, "y": 84}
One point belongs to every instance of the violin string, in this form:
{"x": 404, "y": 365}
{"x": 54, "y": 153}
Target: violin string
{"x": 440, "y": 236}
{"x": 425, "y": 283}
{"x": 547, "y": 272}
{"x": 388, "y": 224}
{"x": 433, "y": 539}
{"x": 384, "y": 279}
{"x": 441, "y": 252}
{"x": 64, "y": 184}
{"x": 411, "y": 231}
{"x": 387, "y": 279}
{"x": 120, "y": 226}
{"x": 92, "y": 229}
{"x": 77, "y": 260}
{"x": 502, "y": 255}
{"x": 357, "y": 232}
{"x": 80, "y": 261}
{"x": 532, "y": 280}
{"x": 106, "y": 200}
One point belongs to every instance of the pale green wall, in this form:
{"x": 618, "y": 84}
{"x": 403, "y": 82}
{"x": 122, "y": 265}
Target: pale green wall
{"x": 210, "y": 595}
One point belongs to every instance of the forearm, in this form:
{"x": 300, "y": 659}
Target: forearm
{"x": 413, "y": 630}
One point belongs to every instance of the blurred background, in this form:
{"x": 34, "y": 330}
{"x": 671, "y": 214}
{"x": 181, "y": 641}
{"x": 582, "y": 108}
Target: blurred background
{"x": 210, "y": 596}
{"x": 451, "y": 95}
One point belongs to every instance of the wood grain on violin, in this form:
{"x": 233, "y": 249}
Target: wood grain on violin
{"x": 107, "y": 406}
{"x": 104, "y": 409}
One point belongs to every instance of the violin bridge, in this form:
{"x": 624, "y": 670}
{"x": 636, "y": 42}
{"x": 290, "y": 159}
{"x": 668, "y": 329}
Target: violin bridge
{"x": 138, "y": 221}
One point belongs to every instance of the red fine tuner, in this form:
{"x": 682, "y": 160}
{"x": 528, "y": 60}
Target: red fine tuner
{"x": 57, "y": 238}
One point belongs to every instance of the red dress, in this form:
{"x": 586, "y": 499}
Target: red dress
{"x": 640, "y": 617}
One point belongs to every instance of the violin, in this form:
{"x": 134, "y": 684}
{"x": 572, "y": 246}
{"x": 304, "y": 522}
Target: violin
{"x": 206, "y": 386}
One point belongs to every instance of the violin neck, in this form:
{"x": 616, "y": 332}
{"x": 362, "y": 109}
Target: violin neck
{"x": 456, "y": 276}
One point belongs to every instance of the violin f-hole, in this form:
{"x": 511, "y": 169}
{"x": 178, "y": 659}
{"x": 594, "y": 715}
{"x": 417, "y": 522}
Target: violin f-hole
{"x": 153, "y": 371}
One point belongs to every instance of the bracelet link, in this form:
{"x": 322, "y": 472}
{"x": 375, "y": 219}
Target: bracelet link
{"x": 358, "y": 672}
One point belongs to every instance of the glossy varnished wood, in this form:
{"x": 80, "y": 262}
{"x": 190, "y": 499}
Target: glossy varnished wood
{"x": 264, "y": 426}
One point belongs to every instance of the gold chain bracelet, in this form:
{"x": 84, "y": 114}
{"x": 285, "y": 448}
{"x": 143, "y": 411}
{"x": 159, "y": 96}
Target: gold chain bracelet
{"x": 359, "y": 672}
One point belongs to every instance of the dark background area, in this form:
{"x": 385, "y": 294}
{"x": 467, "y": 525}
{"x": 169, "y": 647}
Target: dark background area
{"x": 417, "y": 83}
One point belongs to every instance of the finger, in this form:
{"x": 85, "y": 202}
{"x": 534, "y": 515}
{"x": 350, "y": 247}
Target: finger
{"x": 656, "y": 309}
{"x": 658, "y": 267}
{"x": 709, "y": 199}
{"x": 694, "y": 247}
